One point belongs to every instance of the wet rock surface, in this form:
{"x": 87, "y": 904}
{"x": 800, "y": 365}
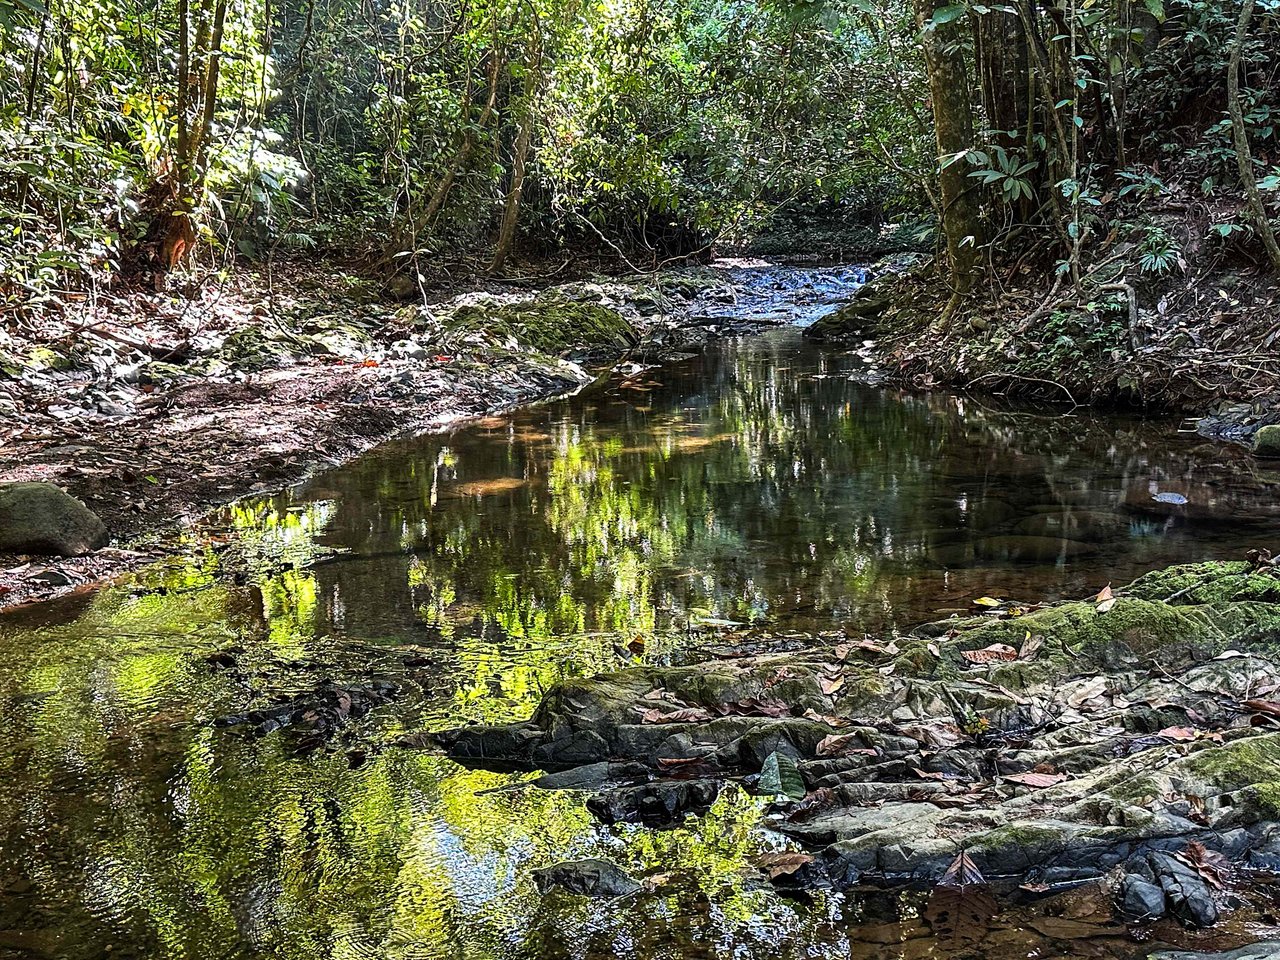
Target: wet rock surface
{"x": 1128, "y": 736}
{"x": 41, "y": 518}
{"x": 153, "y": 418}
{"x": 586, "y": 878}
{"x": 313, "y": 720}
{"x": 1258, "y": 951}
{"x": 654, "y": 804}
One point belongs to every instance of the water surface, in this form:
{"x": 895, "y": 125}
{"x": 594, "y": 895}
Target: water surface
{"x": 761, "y": 486}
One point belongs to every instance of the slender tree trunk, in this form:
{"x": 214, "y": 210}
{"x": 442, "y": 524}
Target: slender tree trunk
{"x": 520, "y": 159}
{"x": 511, "y": 213}
{"x": 407, "y": 234}
{"x": 1244, "y": 156}
{"x": 199, "y": 69}
{"x": 949, "y": 91}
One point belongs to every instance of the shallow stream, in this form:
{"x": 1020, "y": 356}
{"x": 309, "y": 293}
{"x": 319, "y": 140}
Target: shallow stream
{"x": 761, "y": 485}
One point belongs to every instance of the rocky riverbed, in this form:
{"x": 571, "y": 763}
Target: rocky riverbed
{"x": 1131, "y": 736}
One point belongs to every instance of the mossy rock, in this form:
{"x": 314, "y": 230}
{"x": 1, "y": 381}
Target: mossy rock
{"x": 44, "y": 519}
{"x": 1209, "y": 582}
{"x": 1266, "y": 442}
{"x": 46, "y": 358}
{"x": 852, "y": 318}
{"x": 549, "y": 324}
{"x": 252, "y": 348}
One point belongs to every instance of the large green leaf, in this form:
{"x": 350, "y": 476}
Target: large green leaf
{"x": 781, "y": 777}
{"x": 946, "y": 14}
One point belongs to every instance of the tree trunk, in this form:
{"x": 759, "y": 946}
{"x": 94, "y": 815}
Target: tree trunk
{"x": 953, "y": 125}
{"x": 511, "y": 214}
{"x": 1244, "y": 156}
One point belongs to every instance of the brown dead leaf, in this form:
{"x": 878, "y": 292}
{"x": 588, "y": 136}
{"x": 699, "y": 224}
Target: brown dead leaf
{"x": 1094, "y": 687}
{"x": 1031, "y": 645}
{"x": 830, "y": 721}
{"x": 947, "y": 801}
{"x": 752, "y": 707}
{"x": 812, "y": 805}
{"x": 1037, "y": 780}
{"x": 996, "y": 653}
{"x": 844, "y": 745}
{"x": 935, "y": 736}
{"x": 963, "y": 872}
{"x": 830, "y": 685}
{"x": 1270, "y": 708}
{"x": 782, "y": 864}
{"x": 1178, "y": 733}
{"x": 683, "y": 715}
{"x": 869, "y": 646}
{"x": 1214, "y": 868}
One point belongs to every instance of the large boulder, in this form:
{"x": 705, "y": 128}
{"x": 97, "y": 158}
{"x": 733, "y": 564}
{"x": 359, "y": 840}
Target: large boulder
{"x": 1266, "y": 442}
{"x": 41, "y": 518}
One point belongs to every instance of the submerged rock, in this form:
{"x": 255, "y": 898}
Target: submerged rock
{"x": 586, "y": 878}
{"x": 1053, "y": 746}
{"x": 657, "y": 804}
{"x": 42, "y": 518}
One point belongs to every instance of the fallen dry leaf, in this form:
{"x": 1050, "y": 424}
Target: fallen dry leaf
{"x": 963, "y": 872}
{"x": 1214, "y": 868}
{"x": 1094, "y": 687}
{"x": 830, "y": 721}
{"x": 1037, "y": 780}
{"x": 844, "y": 745}
{"x": 683, "y": 715}
{"x": 782, "y": 864}
{"x": 997, "y": 652}
{"x": 935, "y": 736}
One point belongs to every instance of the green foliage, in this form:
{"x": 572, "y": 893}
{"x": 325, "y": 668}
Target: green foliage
{"x": 1004, "y": 171}
{"x": 650, "y": 122}
{"x": 1160, "y": 254}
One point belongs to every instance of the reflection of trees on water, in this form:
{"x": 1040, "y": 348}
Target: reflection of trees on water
{"x": 758, "y": 483}
{"x": 138, "y": 825}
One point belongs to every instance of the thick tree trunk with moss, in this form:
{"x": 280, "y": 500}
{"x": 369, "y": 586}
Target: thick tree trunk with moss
{"x": 949, "y": 90}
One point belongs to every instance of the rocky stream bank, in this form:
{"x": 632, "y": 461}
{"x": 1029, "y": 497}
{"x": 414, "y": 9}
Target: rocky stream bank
{"x": 153, "y": 410}
{"x": 1200, "y": 343}
{"x": 1131, "y": 738}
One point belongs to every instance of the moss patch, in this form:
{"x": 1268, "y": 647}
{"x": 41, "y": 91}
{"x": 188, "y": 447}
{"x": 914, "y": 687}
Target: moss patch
{"x": 549, "y": 324}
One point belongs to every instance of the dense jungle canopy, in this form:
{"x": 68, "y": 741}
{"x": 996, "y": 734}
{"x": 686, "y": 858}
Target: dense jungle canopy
{"x": 133, "y": 134}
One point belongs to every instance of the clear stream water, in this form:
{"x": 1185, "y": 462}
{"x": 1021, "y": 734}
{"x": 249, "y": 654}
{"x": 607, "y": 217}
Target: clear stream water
{"x": 762, "y": 484}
